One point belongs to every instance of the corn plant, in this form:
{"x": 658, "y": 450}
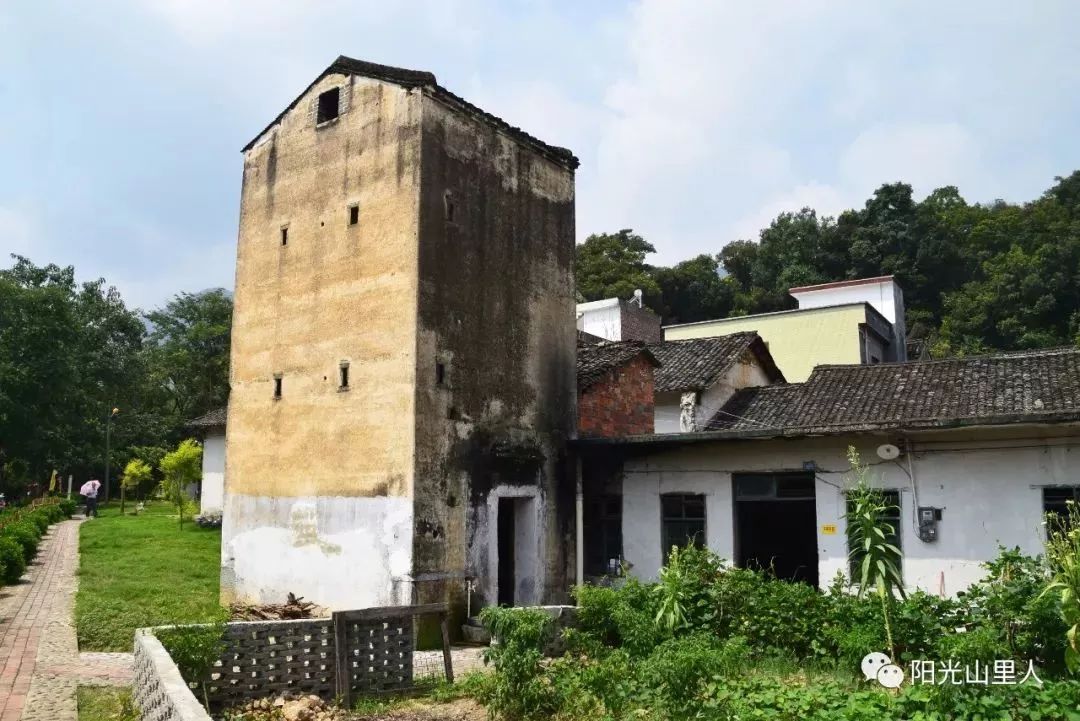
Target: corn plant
{"x": 1063, "y": 557}
{"x": 874, "y": 557}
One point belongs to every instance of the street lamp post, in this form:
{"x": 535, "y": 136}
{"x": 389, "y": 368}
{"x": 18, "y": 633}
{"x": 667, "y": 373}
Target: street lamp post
{"x": 108, "y": 439}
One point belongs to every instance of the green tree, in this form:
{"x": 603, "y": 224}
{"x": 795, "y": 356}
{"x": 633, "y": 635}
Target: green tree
{"x": 68, "y": 353}
{"x": 612, "y": 265}
{"x": 693, "y": 290}
{"x": 188, "y": 354}
{"x": 136, "y": 474}
{"x": 180, "y": 469}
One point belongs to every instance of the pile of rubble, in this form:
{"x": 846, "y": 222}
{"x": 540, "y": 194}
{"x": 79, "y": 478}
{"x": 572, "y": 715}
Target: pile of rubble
{"x": 293, "y": 608}
{"x": 305, "y": 708}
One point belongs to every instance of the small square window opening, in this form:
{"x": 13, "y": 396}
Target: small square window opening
{"x": 354, "y": 214}
{"x": 328, "y": 105}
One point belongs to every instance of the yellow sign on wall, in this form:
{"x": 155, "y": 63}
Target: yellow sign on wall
{"x": 829, "y": 529}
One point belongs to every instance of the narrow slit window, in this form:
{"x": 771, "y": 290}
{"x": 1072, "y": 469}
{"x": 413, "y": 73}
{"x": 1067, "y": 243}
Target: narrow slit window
{"x": 328, "y": 105}
{"x": 354, "y": 214}
{"x": 440, "y": 374}
{"x": 284, "y": 235}
{"x": 277, "y": 387}
{"x": 344, "y": 376}
{"x": 448, "y": 206}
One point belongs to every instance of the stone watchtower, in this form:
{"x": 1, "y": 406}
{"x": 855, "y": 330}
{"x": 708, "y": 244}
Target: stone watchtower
{"x": 403, "y": 380}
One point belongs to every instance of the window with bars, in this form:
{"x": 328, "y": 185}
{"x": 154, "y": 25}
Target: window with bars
{"x": 603, "y": 533}
{"x": 682, "y": 520}
{"x": 1056, "y": 500}
{"x": 892, "y": 517}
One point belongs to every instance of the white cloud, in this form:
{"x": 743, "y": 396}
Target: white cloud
{"x": 926, "y": 155}
{"x": 728, "y": 113}
{"x": 18, "y": 233}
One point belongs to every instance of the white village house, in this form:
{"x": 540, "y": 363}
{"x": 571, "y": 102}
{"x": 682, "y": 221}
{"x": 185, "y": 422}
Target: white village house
{"x": 211, "y": 428}
{"x": 974, "y": 451}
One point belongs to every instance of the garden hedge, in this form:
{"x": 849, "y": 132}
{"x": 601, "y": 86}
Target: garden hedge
{"x": 21, "y": 530}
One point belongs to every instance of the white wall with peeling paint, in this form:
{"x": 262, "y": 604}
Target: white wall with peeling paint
{"x": 338, "y": 552}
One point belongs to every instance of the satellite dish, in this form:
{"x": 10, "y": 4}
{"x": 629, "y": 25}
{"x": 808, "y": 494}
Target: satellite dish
{"x": 888, "y": 452}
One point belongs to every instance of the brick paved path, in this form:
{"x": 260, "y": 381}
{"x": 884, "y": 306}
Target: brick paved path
{"x": 40, "y": 664}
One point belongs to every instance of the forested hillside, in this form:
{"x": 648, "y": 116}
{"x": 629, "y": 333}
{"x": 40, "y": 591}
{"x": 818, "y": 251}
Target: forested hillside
{"x": 976, "y": 277}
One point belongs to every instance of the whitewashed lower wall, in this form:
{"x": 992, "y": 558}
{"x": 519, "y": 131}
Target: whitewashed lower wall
{"x": 337, "y": 552}
{"x": 991, "y": 492}
{"x": 212, "y": 498}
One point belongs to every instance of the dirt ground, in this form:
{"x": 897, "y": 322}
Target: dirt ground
{"x": 423, "y": 710}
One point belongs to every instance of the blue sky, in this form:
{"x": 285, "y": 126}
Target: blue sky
{"x": 121, "y": 121}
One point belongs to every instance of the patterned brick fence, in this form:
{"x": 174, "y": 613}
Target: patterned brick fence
{"x": 273, "y": 658}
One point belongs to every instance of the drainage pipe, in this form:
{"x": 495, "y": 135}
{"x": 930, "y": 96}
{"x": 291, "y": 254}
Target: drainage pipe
{"x": 579, "y": 544}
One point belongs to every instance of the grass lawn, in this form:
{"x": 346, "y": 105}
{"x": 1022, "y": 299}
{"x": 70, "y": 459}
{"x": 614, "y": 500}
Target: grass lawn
{"x": 137, "y": 571}
{"x": 106, "y": 704}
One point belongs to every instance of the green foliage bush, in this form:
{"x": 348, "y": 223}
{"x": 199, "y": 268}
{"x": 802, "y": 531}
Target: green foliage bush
{"x": 21, "y": 530}
{"x": 12, "y": 560}
{"x": 715, "y": 642}
{"x": 195, "y": 649}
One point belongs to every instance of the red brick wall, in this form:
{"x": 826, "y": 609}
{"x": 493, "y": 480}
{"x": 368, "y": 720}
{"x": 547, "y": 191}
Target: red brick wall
{"x": 619, "y": 405}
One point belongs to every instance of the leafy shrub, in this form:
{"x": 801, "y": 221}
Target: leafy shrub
{"x": 519, "y": 634}
{"x": 12, "y": 559}
{"x": 195, "y": 649}
{"x": 679, "y": 669}
{"x": 26, "y": 534}
{"x": 1009, "y": 602}
{"x": 623, "y": 617}
{"x": 724, "y": 643}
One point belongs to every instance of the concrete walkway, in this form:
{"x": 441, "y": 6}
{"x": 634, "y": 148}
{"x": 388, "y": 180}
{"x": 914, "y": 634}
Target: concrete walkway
{"x": 40, "y": 663}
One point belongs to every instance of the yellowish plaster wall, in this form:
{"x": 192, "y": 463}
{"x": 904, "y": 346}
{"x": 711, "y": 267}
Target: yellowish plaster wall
{"x": 334, "y": 293}
{"x": 798, "y": 341}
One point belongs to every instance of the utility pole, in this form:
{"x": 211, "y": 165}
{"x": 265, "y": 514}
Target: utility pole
{"x": 108, "y": 439}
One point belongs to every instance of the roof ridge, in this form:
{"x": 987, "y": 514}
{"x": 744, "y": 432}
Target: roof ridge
{"x": 1033, "y": 352}
{"x": 422, "y": 78}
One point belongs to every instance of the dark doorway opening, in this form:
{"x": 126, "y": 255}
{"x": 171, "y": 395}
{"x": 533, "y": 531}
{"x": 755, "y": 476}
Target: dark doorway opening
{"x": 776, "y": 524}
{"x": 506, "y": 533}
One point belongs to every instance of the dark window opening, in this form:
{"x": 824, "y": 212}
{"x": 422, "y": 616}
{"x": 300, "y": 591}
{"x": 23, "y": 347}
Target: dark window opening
{"x": 344, "y": 375}
{"x": 603, "y": 534}
{"x": 448, "y": 206}
{"x": 354, "y": 214}
{"x": 328, "y": 105}
{"x": 890, "y": 516}
{"x": 1056, "y": 505}
{"x": 776, "y": 524}
{"x": 682, "y": 520}
{"x": 277, "y": 387}
{"x": 285, "y": 235}
{"x": 440, "y": 374}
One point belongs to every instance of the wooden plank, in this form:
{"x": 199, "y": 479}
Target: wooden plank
{"x": 448, "y": 664}
{"x": 342, "y": 687}
{"x": 390, "y": 612}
